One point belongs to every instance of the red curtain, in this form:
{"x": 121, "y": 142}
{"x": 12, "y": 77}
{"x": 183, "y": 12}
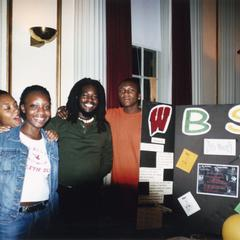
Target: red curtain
{"x": 119, "y": 46}
{"x": 181, "y": 53}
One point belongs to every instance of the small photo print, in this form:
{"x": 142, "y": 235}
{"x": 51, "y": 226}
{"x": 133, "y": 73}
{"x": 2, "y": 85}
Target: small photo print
{"x": 189, "y": 204}
{"x": 218, "y": 179}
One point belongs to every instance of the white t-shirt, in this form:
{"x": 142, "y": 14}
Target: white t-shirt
{"x": 35, "y": 185}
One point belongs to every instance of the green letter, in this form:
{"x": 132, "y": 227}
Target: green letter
{"x": 195, "y": 121}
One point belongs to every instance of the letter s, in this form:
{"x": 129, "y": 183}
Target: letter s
{"x": 234, "y": 114}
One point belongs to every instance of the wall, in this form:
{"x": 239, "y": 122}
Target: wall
{"x": 82, "y": 46}
{"x": 3, "y": 44}
{"x": 67, "y": 55}
{"x": 33, "y": 65}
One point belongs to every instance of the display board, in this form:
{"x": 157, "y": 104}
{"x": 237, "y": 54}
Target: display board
{"x": 206, "y": 166}
{"x": 156, "y": 163}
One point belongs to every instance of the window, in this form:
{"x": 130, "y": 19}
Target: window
{"x": 145, "y": 70}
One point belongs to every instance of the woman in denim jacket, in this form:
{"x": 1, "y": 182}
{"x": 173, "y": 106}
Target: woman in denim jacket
{"x": 28, "y": 170}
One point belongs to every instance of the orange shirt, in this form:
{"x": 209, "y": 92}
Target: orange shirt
{"x": 126, "y": 135}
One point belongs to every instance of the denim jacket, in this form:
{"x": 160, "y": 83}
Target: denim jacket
{"x": 13, "y": 158}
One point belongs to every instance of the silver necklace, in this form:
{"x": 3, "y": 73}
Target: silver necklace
{"x": 86, "y": 120}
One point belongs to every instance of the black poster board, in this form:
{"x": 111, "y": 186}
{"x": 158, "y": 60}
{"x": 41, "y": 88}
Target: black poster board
{"x": 209, "y": 135}
{"x": 156, "y": 163}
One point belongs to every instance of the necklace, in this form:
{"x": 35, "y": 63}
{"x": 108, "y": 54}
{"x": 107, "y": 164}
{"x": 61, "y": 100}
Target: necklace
{"x": 86, "y": 120}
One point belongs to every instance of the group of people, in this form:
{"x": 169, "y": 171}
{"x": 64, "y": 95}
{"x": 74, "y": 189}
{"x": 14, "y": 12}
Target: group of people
{"x": 84, "y": 142}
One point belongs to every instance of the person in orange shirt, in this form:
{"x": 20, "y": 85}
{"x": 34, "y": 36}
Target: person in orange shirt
{"x": 125, "y": 123}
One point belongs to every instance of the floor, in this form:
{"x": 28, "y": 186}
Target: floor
{"x": 120, "y": 232}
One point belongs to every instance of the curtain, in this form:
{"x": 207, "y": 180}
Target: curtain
{"x": 119, "y": 46}
{"x": 90, "y": 38}
{"x": 228, "y": 59}
{"x": 181, "y": 53}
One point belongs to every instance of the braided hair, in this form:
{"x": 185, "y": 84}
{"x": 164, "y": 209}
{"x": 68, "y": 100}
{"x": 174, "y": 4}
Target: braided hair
{"x": 30, "y": 89}
{"x": 73, "y": 107}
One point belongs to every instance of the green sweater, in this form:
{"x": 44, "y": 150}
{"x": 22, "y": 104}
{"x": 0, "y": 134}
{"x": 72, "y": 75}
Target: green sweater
{"x": 85, "y": 155}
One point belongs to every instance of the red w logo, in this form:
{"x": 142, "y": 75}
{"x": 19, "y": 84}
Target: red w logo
{"x": 159, "y": 118}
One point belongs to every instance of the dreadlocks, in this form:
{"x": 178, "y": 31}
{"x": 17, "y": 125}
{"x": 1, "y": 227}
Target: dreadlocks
{"x": 73, "y": 102}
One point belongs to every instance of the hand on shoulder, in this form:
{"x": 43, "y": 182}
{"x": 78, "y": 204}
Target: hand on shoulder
{"x": 52, "y": 135}
{"x": 62, "y": 112}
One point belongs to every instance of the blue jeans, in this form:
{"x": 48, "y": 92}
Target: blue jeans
{"x": 26, "y": 225}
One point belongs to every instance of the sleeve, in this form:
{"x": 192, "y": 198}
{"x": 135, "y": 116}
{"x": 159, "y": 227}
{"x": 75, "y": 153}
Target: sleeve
{"x": 108, "y": 115}
{"x": 107, "y": 154}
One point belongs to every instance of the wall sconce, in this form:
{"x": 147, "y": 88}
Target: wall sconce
{"x": 41, "y": 35}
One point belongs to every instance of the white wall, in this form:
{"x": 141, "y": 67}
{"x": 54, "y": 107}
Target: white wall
{"x": 33, "y": 65}
{"x": 67, "y": 64}
{"x": 3, "y": 45}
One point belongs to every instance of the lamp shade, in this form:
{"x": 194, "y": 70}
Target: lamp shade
{"x": 43, "y": 34}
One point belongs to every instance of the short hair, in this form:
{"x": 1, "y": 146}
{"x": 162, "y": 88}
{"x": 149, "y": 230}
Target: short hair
{"x": 31, "y": 89}
{"x": 132, "y": 80}
{"x": 73, "y": 102}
